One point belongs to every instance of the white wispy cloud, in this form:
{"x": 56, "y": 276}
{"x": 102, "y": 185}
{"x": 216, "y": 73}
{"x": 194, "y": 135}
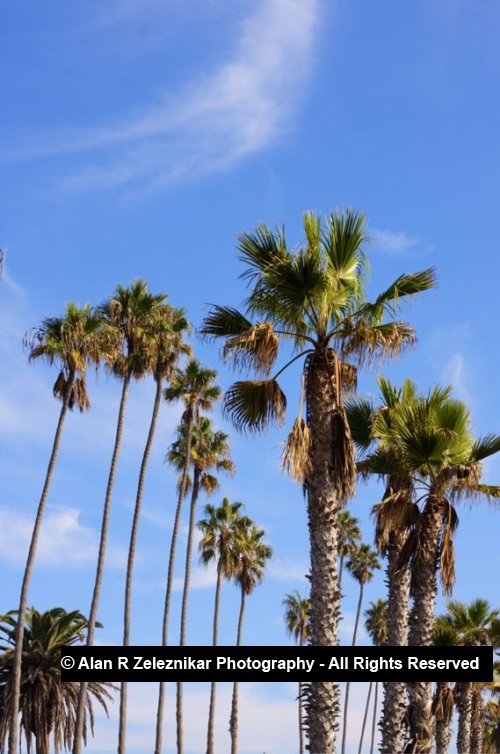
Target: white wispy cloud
{"x": 393, "y": 242}
{"x": 237, "y": 109}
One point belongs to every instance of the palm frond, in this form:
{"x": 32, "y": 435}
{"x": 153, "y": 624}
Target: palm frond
{"x": 372, "y": 343}
{"x": 296, "y": 458}
{"x": 255, "y": 348}
{"x": 360, "y": 413}
{"x": 223, "y": 322}
{"x": 405, "y": 285}
{"x": 485, "y": 447}
{"x": 252, "y": 405}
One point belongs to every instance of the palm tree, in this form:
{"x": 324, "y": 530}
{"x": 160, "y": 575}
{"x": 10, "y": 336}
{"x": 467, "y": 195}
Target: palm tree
{"x": 349, "y": 534}
{"x": 221, "y": 531}
{"x": 362, "y": 564}
{"x": 129, "y": 314}
{"x": 209, "y": 451}
{"x": 71, "y": 342}
{"x": 163, "y": 347}
{"x": 444, "y": 635}
{"x": 194, "y": 386}
{"x": 376, "y": 625}
{"x": 312, "y": 298}
{"x": 252, "y": 557}
{"x": 297, "y": 609}
{"x": 395, "y": 517}
{"x": 47, "y": 706}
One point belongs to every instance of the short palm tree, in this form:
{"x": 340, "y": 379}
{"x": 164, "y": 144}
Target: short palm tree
{"x": 313, "y": 299}
{"x": 297, "y": 609}
{"x": 221, "y": 531}
{"x": 444, "y": 635}
{"x": 129, "y": 314}
{"x": 252, "y": 557}
{"x": 361, "y": 565}
{"x": 48, "y": 707}
{"x": 163, "y": 346}
{"x": 376, "y": 624}
{"x": 71, "y": 342}
{"x": 194, "y": 386}
{"x": 349, "y": 534}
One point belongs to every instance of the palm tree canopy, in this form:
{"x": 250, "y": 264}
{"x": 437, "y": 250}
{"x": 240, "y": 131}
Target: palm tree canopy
{"x": 164, "y": 340}
{"x": 362, "y": 563}
{"x": 194, "y": 386}
{"x": 313, "y": 298}
{"x": 71, "y": 342}
{"x": 47, "y": 706}
{"x": 252, "y": 557}
{"x": 348, "y": 534}
{"x": 221, "y": 529}
{"x": 376, "y": 622}
{"x": 297, "y": 609}
{"x": 474, "y": 623}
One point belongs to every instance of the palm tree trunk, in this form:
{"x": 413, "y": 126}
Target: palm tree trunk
{"x": 443, "y": 720}
{"x": 348, "y": 685}
{"x": 394, "y": 701}
{"x": 131, "y": 557}
{"x": 324, "y": 499}
{"x": 233, "y": 721}
{"x": 477, "y": 722}
{"x": 463, "y": 694}
{"x": 170, "y": 577}
{"x": 341, "y": 568}
{"x": 424, "y": 588}
{"x": 211, "y": 712}
{"x": 80, "y": 715}
{"x": 365, "y": 717}
{"x": 374, "y": 719}
{"x": 301, "y": 717}
{"x": 185, "y": 593}
{"x": 23, "y": 600}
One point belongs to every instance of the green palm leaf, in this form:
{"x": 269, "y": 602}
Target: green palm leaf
{"x": 254, "y": 404}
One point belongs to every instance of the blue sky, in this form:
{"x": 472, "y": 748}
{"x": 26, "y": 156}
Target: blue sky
{"x": 138, "y": 139}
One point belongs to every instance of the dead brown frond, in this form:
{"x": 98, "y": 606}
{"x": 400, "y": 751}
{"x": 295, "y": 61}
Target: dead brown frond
{"x": 256, "y": 348}
{"x": 59, "y": 386}
{"x": 343, "y": 459}
{"x": 349, "y": 377}
{"x": 396, "y": 512}
{"x": 447, "y": 555}
{"x": 372, "y": 343}
{"x": 79, "y": 395}
{"x": 296, "y": 457}
{"x": 442, "y": 705}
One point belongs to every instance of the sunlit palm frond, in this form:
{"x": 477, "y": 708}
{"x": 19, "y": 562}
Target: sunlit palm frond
{"x": 224, "y": 321}
{"x": 296, "y": 457}
{"x": 254, "y": 404}
{"x": 388, "y": 302}
{"x": 485, "y": 447}
{"x": 368, "y": 343}
{"x": 255, "y": 348}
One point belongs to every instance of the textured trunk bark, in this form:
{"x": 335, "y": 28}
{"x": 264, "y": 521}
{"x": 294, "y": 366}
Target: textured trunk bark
{"x": 233, "y": 721}
{"x": 443, "y": 727}
{"x": 211, "y": 712}
{"x": 131, "y": 558}
{"x": 23, "y": 600}
{"x": 424, "y": 587}
{"x": 341, "y": 568}
{"x": 374, "y": 719}
{"x": 185, "y": 595}
{"x": 394, "y": 703}
{"x": 80, "y": 715}
{"x": 463, "y": 697}
{"x": 348, "y": 685}
{"x": 365, "y": 717}
{"x": 170, "y": 579}
{"x": 323, "y": 504}
{"x": 301, "y": 716}
{"x": 477, "y": 722}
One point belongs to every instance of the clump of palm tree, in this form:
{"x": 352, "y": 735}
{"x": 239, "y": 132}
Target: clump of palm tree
{"x": 376, "y": 620}
{"x": 221, "y": 530}
{"x": 71, "y": 343}
{"x": 362, "y": 564}
{"x": 312, "y": 298}
{"x": 194, "y": 386}
{"x": 252, "y": 556}
{"x": 47, "y": 706}
{"x": 349, "y": 535}
{"x": 297, "y": 609}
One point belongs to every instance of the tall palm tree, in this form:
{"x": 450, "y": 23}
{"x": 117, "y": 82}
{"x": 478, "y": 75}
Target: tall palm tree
{"x": 195, "y": 387}
{"x": 252, "y": 557}
{"x": 395, "y": 517}
{"x": 349, "y": 534}
{"x": 313, "y": 299}
{"x": 376, "y": 624}
{"x": 71, "y": 342}
{"x": 361, "y": 565}
{"x": 221, "y": 531}
{"x": 129, "y": 314}
{"x": 48, "y": 707}
{"x": 297, "y": 610}
{"x": 209, "y": 452}
{"x": 444, "y": 635}
{"x": 163, "y": 347}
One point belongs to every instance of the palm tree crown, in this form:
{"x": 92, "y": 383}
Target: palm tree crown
{"x": 297, "y": 609}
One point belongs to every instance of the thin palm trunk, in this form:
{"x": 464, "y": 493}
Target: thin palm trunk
{"x": 394, "y": 700}
{"x": 365, "y": 717}
{"x": 443, "y": 719}
{"x": 464, "y": 707}
{"x": 348, "y": 685}
{"x": 374, "y": 719}
{"x": 323, "y": 505}
{"x": 170, "y": 577}
{"x": 211, "y": 712}
{"x": 131, "y": 557}
{"x": 424, "y": 587}
{"x": 301, "y": 716}
{"x": 23, "y": 600}
{"x": 341, "y": 568}
{"x": 233, "y": 722}
{"x": 477, "y": 722}
{"x": 185, "y": 594}
{"x": 80, "y": 715}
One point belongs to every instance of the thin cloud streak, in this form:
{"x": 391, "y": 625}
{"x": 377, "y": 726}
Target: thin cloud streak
{"x": 238, "y": 109}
